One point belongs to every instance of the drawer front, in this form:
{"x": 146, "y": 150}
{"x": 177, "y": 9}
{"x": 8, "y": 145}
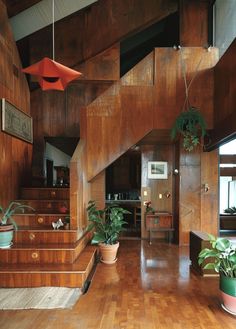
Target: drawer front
{"x": 156, "y": 222}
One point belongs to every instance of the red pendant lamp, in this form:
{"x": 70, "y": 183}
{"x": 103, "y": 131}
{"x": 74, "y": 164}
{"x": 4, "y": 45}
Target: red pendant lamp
{"x": 50, "y": 74}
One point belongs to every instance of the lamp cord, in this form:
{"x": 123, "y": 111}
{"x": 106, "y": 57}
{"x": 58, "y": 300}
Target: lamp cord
{"x": 53, "y": 35}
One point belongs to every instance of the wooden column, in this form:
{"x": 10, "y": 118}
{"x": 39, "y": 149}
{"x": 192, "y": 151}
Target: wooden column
{"x": 194, "y": 22}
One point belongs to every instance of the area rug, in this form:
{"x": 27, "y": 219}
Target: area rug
{"x": 38, "y": 298}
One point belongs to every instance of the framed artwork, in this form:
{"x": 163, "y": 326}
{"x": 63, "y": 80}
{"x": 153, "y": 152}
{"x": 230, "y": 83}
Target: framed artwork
{"x": 157, "y": 170}
{"x": 16, "y": 122}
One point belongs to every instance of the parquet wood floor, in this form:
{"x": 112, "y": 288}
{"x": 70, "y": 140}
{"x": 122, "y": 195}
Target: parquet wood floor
{"x": 150, "y": 287}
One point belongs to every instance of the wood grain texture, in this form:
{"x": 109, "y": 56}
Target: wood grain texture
{"x": 16, "y": 154}
{"x": 87, "y": 31}
{"x": 194, "y": 23}
{"x": 149, "y": 287}
{"x": 170, "y": 66}
{"x": 224, "y": 99}
{"x": 198, "y": 209}
{"x": 157, "y": 186}
{"x": 59, "y": 275}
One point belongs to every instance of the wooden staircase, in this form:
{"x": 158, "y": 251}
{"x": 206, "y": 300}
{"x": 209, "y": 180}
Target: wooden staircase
{"x": 40, "y": 255}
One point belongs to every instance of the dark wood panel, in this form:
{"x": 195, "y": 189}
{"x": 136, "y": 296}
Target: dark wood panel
{"x": 16, "y": 154}
{"x": 95, "y": 29}
{"x": 224, "y": 99}
{"x": 193, "y": 23}
{"x": 227, "y": 171}
{"x": 228, "y": 158}
{"x": 169, "y": 83}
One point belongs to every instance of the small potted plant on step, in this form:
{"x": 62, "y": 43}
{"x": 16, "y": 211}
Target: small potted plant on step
{"x": 7, "y": 223}
{"x": 107, "y": 224}
{"x": 222, "y": 258}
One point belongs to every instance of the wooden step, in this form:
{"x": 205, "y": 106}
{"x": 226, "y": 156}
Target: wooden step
{"x": 65, "y": 275}
{"x": 61, "y": 253}
{"x": 42, "y": 235}
{"x": 46, "y": 206}
{"x": 44, "y": 193}
{"x": 38, "y": 220}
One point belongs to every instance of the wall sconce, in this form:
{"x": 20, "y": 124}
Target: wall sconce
{"x": 206, "y": 187}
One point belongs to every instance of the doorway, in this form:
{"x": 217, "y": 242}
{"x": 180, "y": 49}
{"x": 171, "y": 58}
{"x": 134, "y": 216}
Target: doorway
{"x": 123, "y": 186}
{"x": 49, "y": 172}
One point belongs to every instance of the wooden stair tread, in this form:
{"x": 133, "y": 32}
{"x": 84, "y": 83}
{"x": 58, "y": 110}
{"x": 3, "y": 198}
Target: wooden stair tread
{"x": 43, "y": 200}
{"x": 42, "y": 229}
{"x": 53, "y": 246}
{"x": 45, "y": 188}
{"x": 41, "y": 214}
{"x": 80, "y": 264}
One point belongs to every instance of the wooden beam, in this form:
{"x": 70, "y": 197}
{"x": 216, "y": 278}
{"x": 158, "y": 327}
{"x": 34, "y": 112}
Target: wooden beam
{"x": 228, "y": 172}
{"x": 228, "y": 158}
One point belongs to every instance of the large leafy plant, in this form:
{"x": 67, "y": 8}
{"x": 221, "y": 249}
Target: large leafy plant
{"x": 191, "y": 126}
{"x": 13, "y": 207}
{"x": 107, "y": 223}
{"x": 221, "y": 256}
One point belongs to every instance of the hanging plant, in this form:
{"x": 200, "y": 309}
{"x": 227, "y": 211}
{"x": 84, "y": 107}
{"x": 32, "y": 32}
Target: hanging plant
{"x": 190, "y": 124}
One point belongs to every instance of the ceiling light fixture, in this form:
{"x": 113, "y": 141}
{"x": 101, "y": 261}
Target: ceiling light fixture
{"x": 50, "y": 74}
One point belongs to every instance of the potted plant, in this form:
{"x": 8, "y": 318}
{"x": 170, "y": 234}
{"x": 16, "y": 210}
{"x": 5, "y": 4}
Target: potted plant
{"x": 231, "y": 210}
{"x": 222, "y": 258}
{"x": 107, "y": 224}
{"x": 7, "y": 223}
{"x": 191, "y": 126}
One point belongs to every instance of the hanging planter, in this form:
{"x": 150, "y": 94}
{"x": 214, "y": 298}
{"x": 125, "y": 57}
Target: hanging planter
{"x": 191, "y": 126}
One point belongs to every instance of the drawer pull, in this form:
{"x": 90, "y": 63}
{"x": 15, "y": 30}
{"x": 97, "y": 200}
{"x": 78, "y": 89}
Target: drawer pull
{"x": 32, "y": 236}
{"x": 35, "y": 255}
{"x": 40, "y": 220}
{"x": 53, "y": 193}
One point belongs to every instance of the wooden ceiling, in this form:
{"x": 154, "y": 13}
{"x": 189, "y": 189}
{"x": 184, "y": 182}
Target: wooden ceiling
{"x": 14, "y": 7}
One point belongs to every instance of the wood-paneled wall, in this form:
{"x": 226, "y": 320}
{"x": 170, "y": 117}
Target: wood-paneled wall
{"x": 157, "y": 186}
{"x": 194, "y": 22}
{"x": 225, "y": 98}
{"x": 125, "y": 113}
{"x": 198, "y": 209}
{"x": 96, "y": 28}
{"x": 15, "y": 153}
{"x": 129, "y": 112}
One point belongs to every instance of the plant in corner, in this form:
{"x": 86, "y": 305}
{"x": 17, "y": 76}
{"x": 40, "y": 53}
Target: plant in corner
{"x": 107, "y": 224}
{"x": 222, "y": 258}
{"x": 7, "y": 223}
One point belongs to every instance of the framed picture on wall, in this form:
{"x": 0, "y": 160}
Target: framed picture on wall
{"x": 157, "y": 170}
{"x": 16, "y": 122}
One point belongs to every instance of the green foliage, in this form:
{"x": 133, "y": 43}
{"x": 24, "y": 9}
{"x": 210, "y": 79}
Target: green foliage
{"x": 13, "y": 207}
{"x": 191, "y": 125}
{"x": 107, "y": 223}
{"x": 222, "y": 256}
{"x": 231, "y": 210}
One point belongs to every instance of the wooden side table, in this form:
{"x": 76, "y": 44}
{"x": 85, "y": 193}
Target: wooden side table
{"x": 159, "y": 222}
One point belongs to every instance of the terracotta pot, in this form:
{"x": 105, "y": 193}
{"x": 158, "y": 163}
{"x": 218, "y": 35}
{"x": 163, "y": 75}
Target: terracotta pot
{"x": 108, "y": 252}
{"x": 228, "y": 293}
{"x": 6, "y": 235}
